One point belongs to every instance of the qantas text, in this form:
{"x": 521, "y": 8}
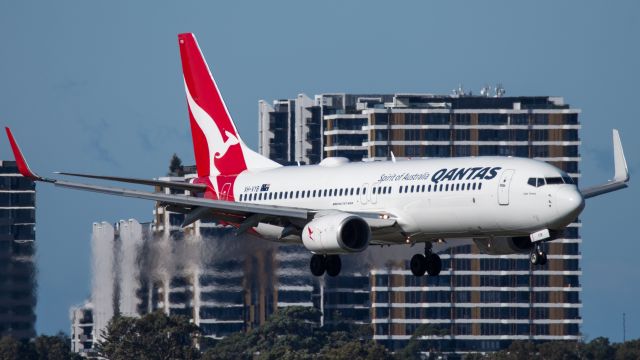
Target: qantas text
{"x": 475, "y": 173}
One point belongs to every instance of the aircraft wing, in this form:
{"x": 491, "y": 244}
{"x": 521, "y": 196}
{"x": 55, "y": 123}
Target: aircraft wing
{"x": 621, "y": 172}
{"x": 161, "y": 183}
{"x": 240, "y": 213}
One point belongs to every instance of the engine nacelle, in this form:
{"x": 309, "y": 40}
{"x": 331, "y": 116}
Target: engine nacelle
{"x": 505, "y": 245}
{"x": 336, "y": 233}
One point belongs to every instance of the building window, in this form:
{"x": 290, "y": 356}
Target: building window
{"x": 493, "y": 119}
{"x": 462, "y": 119}
{"x": 437, "y": 119}
{"x": 540, "y": 119}
{"x": 519, "y": 119}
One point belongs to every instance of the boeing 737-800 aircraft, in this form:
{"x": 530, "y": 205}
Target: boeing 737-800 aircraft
{"x": 503, "y": 204}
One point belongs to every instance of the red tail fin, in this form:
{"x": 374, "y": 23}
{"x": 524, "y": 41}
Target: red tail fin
{"x": 216, "y": 142}
{"x": 215, "y": 139}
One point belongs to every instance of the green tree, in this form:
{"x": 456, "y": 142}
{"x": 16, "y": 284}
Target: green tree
{"x": 175, "y": 166}
{"x": 628, "y": 350}
{"x": 355, "y": 349}
{"x": 413, "y": 348}
{"x": 153, "y": 336}
{"x": 11, "y": 349}
{"x": 560, "y": 350}
{"x": 518, "y": 350}
{"x": 54, "y": 347}
{"x": 295, "y": 333}
{"x": 598, "y": 349}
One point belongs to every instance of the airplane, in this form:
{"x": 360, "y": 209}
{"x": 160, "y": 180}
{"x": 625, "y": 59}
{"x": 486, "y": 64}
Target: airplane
{"x": 505, "y": 205}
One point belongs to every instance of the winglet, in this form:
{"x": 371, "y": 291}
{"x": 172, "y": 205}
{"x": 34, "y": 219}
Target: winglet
{"x": 620, "y": 163}
{"x": 620, "y": 175}
{"x": 23, "y": 167}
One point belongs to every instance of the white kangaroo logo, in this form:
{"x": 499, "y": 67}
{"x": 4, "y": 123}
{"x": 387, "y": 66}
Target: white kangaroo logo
{"x": 217, "y": 146}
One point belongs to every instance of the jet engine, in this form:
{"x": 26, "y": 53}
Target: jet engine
{"x": 336, "y": 233}
{"x": 505, "y": 245}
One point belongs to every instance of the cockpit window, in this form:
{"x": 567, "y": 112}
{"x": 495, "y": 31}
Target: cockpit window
{"x": 554, "y": 180}
{"x": 567, "y": 179}
{"x": 537, "y": 182}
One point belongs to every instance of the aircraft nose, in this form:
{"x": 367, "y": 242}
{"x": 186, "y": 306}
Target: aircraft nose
{"x": 570, "y": 202}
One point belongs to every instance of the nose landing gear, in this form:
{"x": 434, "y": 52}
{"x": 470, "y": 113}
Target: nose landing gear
{"x": 538, "y": 256}
{"x": 429, "y": 262}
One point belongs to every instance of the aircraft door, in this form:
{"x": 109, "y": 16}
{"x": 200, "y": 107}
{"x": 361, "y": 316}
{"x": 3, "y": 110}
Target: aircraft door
{"x": 374, "y": 192}
{"x": 504, "y": 185}
{"x": 363, "y": 193}
{"x": 224, "y": 194}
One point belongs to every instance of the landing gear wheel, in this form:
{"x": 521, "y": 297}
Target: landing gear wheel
{"x": 433, "y": 264}
{"x": 333, "y": 265}
{"x": 542, "y": 260}
{"x": 534, "y": 257}
{"x": 538, "y": 256}
{"x": 418, "y": 264}
{"x": 317, "y": 264}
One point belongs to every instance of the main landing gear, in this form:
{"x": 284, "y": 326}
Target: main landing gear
{"x": 538, "y": 256}
{"x": 429, "y": 262}
{"x": 329, "y": 263}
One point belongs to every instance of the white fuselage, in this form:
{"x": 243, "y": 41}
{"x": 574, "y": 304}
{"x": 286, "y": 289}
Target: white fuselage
{"x": 430, "y": 199}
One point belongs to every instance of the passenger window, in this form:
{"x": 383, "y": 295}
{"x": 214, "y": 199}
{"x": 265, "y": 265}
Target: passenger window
{"x": 340, "y": 193}
{"x": 429, "y": 188}
{"x": 474, "y": 186}
{"x": 308, "y": 193}
{"x": 364, "y": 191}
{"x": 440, "y": 189}
{"x": 400, "y": 190}
{"x": 479, "y": 186}
{"x": 446, "y": 188}
{"x": 351, "y": 191}
{"x": 357, "y": 191}
{"x": 373, "y": 191}
{"x": 297, "y": 194}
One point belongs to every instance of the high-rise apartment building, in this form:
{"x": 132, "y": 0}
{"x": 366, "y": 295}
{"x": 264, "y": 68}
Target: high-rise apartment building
{"x": 232, "y": 283}
{"x": 478, "y": 302}
{"x": 17, "y": 253}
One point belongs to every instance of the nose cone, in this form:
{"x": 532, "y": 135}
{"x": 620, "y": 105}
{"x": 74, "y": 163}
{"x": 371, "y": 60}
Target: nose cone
{"x": 569, "y": 203}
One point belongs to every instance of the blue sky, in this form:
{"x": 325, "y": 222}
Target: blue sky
{"x": 96, "y": 86}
